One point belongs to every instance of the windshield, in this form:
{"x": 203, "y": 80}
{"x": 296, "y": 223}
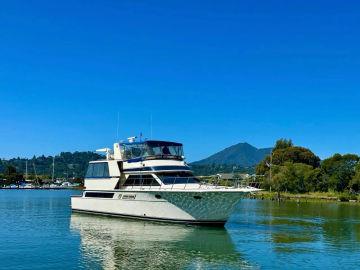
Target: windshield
{"x": 152, "y": 149}
{"x": 170, "y": 178}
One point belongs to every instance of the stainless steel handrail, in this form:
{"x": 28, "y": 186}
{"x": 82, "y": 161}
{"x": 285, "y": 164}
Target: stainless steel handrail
{"x": 187, "y": 182}
{"x": 230, "y": 183}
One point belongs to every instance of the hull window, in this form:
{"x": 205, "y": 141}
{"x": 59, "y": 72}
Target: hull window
{"x": 141, "y": 180}
{"x": 99, "y": 195}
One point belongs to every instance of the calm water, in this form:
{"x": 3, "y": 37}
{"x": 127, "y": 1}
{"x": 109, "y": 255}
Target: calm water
{"x": 38, "y": 231}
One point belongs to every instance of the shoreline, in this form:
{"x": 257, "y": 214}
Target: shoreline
{"x": 312, "y": 196}
{"x": 261, "y": 195}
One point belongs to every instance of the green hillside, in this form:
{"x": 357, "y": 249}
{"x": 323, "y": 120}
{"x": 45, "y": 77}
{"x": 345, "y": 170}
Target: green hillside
{"x": 66, "y": 164}
{"x": 241, "y": 157}
{"x": 241, "y": 154}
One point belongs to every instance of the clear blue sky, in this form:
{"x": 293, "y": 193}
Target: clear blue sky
{"x": 211, "y": 73}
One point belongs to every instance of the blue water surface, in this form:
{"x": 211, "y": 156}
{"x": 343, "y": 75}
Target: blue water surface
{"x": 38, "y": 231}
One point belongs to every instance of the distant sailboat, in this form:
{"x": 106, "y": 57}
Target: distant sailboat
{"x": 28, "y": 182}
{"x": 53, "y": 170}
{"x": 26, "y": 171}
{"x": 36, "y": 176}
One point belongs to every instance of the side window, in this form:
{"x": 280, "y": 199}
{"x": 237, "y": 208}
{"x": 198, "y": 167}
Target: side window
{"x": 98, "y": 170}
{"x": 141, "y": 180}
{"x": 129, "y": 181}
{"x": 148, "y": 180}
{"x": 89, "y": 171}
{"x": 106, "y": 170}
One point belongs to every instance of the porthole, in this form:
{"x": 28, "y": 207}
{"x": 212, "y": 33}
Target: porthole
{"x": 157, "y": 196}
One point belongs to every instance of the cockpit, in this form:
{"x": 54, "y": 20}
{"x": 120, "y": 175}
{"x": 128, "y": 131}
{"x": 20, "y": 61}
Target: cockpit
{"x": 152, "y": 150}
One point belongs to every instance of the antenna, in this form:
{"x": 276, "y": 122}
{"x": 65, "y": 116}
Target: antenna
{"x": 117, "y": 126}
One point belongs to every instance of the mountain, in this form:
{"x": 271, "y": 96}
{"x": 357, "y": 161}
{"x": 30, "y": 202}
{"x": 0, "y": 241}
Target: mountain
{"x": 241, "y": 154}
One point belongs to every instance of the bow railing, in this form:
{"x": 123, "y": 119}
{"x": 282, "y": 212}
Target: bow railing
{"x": 187, "y": 182}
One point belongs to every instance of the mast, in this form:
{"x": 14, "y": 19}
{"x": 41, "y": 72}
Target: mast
{"x": 26, "y": 170}
{"x": 36, "y": 177}
{"x": 53, "y": 169}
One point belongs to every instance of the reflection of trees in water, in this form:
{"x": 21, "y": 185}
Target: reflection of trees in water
{"x": 340, "y": 227}
{"x": 120, "y": 244}
{"x": 293, "y": 227}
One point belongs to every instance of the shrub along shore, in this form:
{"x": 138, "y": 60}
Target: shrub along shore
{"x": 294, "y": 172}
{"x": 311, "y": 196}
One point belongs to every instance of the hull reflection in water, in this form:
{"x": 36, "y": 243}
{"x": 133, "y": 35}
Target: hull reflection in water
{"x": 112, "y": 243}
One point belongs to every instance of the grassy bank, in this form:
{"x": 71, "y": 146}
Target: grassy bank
{"x": 311, "y": 196}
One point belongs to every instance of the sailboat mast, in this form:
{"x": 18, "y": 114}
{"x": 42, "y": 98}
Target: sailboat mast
{"x": 53, "y": 169}
{"x": 36, "y": 177}
{"x": 26, "y": 170}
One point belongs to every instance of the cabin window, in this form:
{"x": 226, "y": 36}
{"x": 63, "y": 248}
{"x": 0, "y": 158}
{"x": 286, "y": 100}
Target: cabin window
{"x": 98, "y": 170}
{"x": 152, "y": 149}
{"x": 170, "y": 178}
{"x": 141, "y": 180}
{"x": 99, "y": 195}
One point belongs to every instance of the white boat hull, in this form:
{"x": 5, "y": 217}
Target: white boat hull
{"x": 196, "y": 207}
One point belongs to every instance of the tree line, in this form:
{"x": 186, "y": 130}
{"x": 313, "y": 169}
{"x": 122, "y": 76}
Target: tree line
{"x": 297, "y": 169}
{"x": 288, "y": 168}
{"x": 67, "y": 165}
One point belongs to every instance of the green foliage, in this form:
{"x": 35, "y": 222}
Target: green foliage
{"x": 283, "y": 144}
{"x": 355, "y": 181}
{"x": 298, "y": 170}
{"x": 343, "y": 198}
{"x": 284, "y": 152}
{"x": 9, "y": 170}
{"x": 339, "y": 170}
{"x": 296, "y": 154}
{"x": 66, "y": 164}
{"x": 295, "y": 177}
{"x": 10, "y": 175}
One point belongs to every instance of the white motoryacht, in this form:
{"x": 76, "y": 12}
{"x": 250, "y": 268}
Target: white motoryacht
{"x": 151, "y": 180}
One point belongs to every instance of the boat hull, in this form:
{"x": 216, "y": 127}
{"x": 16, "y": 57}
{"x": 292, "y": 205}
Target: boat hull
{"x": 203, "y": 208}
{"x": 215, "y": 223}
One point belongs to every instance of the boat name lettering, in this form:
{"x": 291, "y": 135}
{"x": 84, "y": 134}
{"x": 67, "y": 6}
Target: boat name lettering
{"x": 128, "y": 197}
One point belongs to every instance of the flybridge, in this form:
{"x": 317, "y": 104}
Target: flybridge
{"x": 146, "y": 150}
